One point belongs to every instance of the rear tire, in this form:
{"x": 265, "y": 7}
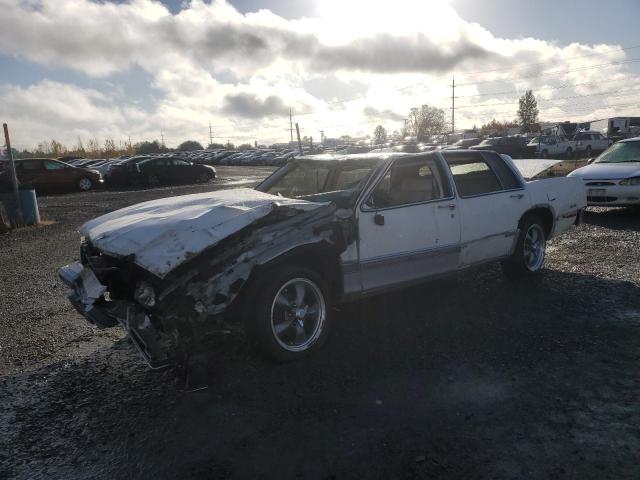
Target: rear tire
{"x": 544, "y": 154}
{"x": 587, "y": 152}
{"x": 529, "y": 255}
{"x": 291, "y": 315}
{"x": 204, "y": 178}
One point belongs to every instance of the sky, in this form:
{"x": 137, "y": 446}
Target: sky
{"x": 137, "y": 69}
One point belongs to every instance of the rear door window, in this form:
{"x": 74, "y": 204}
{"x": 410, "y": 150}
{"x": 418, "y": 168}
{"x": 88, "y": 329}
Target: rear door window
{"x": 29, "y": 165}
{"x": 473, "y": 175}
{"x": 50, "y": 165}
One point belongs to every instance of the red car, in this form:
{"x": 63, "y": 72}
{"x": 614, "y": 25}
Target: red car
{"x": 48, "y": 174}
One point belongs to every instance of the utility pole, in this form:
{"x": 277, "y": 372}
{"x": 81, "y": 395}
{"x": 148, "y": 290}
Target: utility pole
{"x": 291, "y": 124}
{"x": 14, "y": 176}
{"x": 161, "y": 138}
{"x": 322, "y": 136}
{"x": 210, "y": 134}
{"x": 453, "y": 105}
{"x": 299, "y": 141}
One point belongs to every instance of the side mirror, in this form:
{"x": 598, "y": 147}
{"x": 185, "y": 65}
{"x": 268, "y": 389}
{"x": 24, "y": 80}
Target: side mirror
{"x": 590, "y": 161}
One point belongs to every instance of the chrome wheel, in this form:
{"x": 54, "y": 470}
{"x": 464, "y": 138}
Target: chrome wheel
{"x": 534, "y": 248}
{"x": 85, "y": 184}
{"x": 298, "y": 314}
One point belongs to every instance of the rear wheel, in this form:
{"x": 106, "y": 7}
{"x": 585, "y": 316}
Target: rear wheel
{"x": 204, "y": 178}
{"x": 85, "y": 184}
{"x": 529, "y": 254}
{"x": 544, "y": 154}
{"x": 587, "y": 152}
{"x": 291, "y": 317}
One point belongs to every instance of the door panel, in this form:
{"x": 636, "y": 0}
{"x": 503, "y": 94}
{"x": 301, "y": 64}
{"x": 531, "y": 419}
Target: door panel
{"x": 409, "y": 228}
{"x": 491, "y": 201}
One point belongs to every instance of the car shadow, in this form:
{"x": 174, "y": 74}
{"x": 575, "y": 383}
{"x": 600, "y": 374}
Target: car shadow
{"x": 471, "y": 376}
{"x": 625, "y": 218}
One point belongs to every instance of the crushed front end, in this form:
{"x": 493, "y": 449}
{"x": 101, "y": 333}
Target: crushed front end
{"x": 109, "y": 292}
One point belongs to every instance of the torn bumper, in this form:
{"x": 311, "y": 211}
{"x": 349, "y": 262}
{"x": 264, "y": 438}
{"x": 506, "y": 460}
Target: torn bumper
{"x": 87, "y": 297}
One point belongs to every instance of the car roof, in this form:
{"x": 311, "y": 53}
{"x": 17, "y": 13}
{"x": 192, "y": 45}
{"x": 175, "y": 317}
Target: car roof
{"x": 626, "y": 140}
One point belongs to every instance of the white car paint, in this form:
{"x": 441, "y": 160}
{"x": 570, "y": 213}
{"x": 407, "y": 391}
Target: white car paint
{"x": 602, "y": 181}
{"x": 448, "y": 234}
{"x": 552, "y": 145}
{"x": 164, "y": 233}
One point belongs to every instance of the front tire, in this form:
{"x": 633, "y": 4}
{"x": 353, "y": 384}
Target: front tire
{"x": 85, "y": 184}
{"x": 529, "y": 255}
{"x": 291, "y": 317}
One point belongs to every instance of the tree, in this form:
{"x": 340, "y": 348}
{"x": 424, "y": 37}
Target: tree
{"x": 109, "y": 148}
{"x": 190, "y": 146}
{"x": 57, "y": 148}
{"x": 244, "y": 146}
{"x": 229, "y": 146}
{"x": 148, "y": 147}
{"x": 79, "y": 148}
{"x": 213, "y": 146}
{"x": 425, "y": 121}
{"x": 379, "y": 135}
{"x": 528, "y": 113}
{"x": 496, "y": 127}
{"x": 93, "y": 148}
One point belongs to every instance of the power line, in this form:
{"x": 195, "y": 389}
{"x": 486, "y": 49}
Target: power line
{"x": 528, "y": 65}
{"x": 612, "y": 93}
{"x": 580, "y": 69}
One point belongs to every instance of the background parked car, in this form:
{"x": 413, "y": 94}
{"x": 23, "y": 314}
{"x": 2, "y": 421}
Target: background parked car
{"x": 515, "y": 147}
{"x": 613, "y": 180}
{"x": 164, "y": 170}
{"x": 463, "y": 144}
{"x": 551, "y": 146}
{"x": 46, "y": 174}
{"x": 589, "y": 142}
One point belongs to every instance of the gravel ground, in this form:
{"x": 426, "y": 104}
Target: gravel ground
{"x": 470, "y": 377}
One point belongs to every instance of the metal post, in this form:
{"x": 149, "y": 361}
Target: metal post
{"x": 291, "y": 124}
{"x": 14, "y": 176}
{"x": 453, "y": 105}
{"x": 299, "y": 141}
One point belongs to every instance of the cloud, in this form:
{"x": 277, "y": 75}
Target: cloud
{"x": 208, "y": 62}
{"x": 386, "y": 114}
{"x": 248, "y": 105}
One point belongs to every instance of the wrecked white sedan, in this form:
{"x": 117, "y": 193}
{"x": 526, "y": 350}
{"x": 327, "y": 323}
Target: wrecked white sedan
{"x": 321, "y": 230}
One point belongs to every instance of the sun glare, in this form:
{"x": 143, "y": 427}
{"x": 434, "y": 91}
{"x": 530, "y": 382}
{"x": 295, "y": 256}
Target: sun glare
{"x": 364, "y": 17}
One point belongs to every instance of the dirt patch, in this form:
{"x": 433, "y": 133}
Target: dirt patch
{"x": 470, "y": 377}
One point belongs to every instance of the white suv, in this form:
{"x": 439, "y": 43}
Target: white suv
{"x": 589, "y": 142}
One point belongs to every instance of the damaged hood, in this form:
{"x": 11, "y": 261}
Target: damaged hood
{"x": 162, "y": 234}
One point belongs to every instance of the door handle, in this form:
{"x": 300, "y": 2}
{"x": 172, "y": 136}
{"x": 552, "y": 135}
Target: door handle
{"x": 518, "y": 196}
{"x": 450, "y": 206}
{"x": 378, "y": 219}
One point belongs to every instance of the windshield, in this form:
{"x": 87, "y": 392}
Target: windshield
{"x": 320, "y": 181}
{"x": 621, "y": 153}
{"x": 489, "y": 141}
